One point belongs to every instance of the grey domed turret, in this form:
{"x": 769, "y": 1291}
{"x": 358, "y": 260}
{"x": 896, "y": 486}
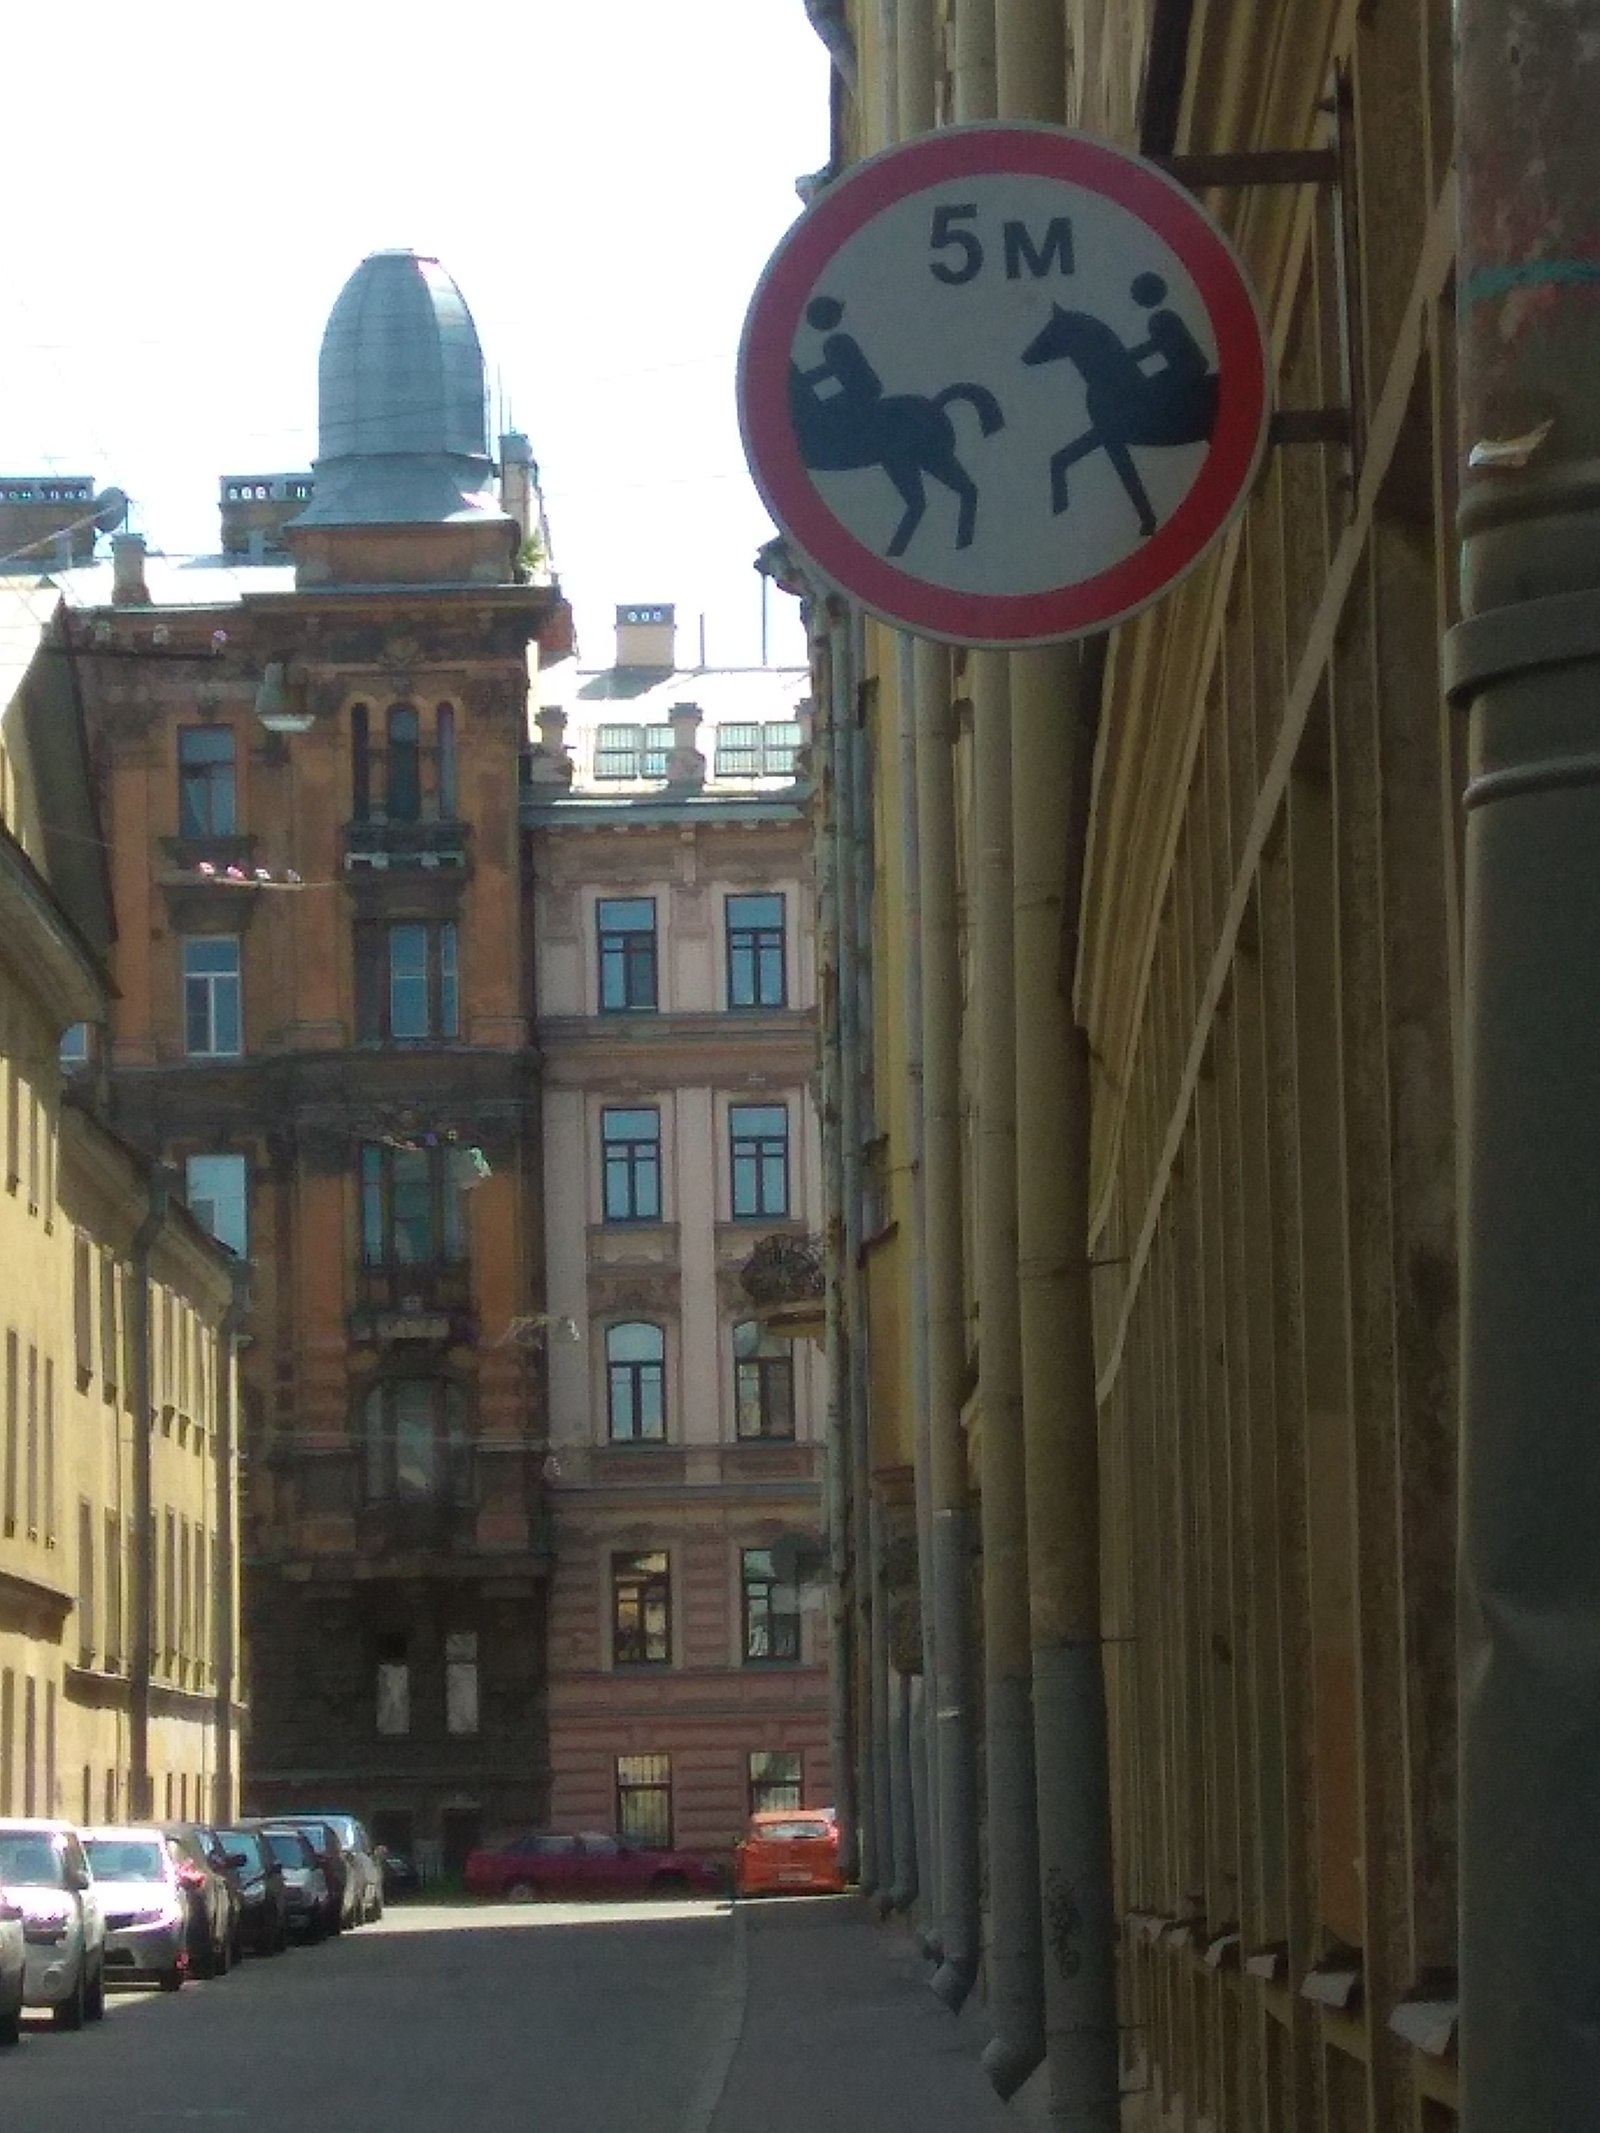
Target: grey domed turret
{"x": 403, "y": 433}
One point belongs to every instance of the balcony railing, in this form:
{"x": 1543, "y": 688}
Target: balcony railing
{"x": 377, "y": 843}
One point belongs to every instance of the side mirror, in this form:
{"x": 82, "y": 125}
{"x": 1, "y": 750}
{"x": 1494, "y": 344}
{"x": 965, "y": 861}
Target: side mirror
{"x": 236, "y": 1859}
{"x": 79, "y": 1878}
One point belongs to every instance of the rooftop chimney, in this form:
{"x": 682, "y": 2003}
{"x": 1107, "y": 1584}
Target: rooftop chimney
{"x": 519, "y": 479}
{"x": 647, "y": 637}
{"x": 550, "y": 762}
{"x": 128, "y": 587}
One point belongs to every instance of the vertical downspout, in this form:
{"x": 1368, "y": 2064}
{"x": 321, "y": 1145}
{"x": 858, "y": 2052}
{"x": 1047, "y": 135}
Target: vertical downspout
{"x": 141, "y": 1584}
{"x": 225, "y": 1594}
{"x": 918, "y": 1880}
{"x": 842, "y": 749}
{"x": 917, "y": 663}
{"x": 952, "y": 1537}
{"x": 1011, "y": 1830}
{"x": 1016, "y": 1993}
{"x": 1055, "y": 708}
{"x": 1527, "y": 660}
{"x": 863, "y": 838}
{"x": 836, "y": 1466}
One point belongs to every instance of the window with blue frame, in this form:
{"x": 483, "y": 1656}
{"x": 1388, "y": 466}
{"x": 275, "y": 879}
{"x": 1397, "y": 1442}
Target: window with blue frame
{"x": 630, "y": 1155}
{"x": 212, "y": 1002}
{"x": 627, "y": 937}
{"x": 755, "y": 929}
{"x": 758, "y": 1152}
{"x": 636, "y": 1383}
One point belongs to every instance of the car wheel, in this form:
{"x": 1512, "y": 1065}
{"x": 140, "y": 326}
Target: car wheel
{"x": 11, "y": 2027}
{"x": 95, "y": 2005}
{"x": 69, "y": 2013}
{"x": 171, "y": 1980}
{"x": 521, "y": 1892}
{"x": 670, "y": 1885}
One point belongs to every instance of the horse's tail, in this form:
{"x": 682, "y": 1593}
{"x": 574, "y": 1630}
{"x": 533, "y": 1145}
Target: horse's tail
{"x": 979, "y": 398}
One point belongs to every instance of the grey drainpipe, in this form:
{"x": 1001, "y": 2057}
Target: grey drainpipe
{"x": 827, "y": 18}
{"x": 224, "y": 1599}
{"x": 142, "y": 1580}
{"x": 836, "y": 1465}
{"x": 841, "y": 754}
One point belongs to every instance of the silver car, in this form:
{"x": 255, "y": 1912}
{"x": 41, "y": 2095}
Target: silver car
{"x": 146, "y": 1906}
{"x": 45, "y": 1871}
{"x": 13, "y": 1968}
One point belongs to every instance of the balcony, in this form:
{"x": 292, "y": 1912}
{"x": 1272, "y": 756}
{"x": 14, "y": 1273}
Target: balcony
{"x": 377, "y": 845}
{"x": 431, "y": 1305}
{"x": 785, "y": 1278}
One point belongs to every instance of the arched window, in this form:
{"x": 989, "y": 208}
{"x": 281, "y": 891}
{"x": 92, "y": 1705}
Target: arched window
{"x": 360, "y": 764}
{"x": 763, "y": 1381}
{"x": 415, "y": 1442}
{"x": 636, "y": 1384}
{"x": 444, "y": 727}
{"x": 403, "y": 800}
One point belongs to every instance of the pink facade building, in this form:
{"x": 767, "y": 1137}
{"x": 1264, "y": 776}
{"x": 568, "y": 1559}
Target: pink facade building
{"x": 676, "y": 1033}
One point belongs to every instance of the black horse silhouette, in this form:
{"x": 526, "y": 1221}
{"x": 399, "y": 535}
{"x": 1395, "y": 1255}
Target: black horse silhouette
{"x": 1128, "y": 405}
{"x": 906, "y": 435}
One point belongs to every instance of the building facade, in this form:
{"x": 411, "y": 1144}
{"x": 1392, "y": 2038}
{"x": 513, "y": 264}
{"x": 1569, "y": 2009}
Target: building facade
{"x": 1165, "y": 935}
{"x": 674, "y": 957}
{"x": 308, "y": 756}
{"x": 118, "y": 1402}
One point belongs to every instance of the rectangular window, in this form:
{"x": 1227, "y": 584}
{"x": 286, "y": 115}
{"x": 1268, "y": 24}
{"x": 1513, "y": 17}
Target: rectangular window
{"x": 758, "y": 1145}
{"x": 33, "y": 1442}
{"x": 627, "y": 930}
{"x": 185, "y": 1632}
{"x": 30, "y": 1745}
{"x": 110, "y": 1348}
{"x": 422, "y": 995}
{"x": 617, "y": 752}
{"x": 411, "y": 1206}
{"x": 206, "y": 782}
{"x": 394, "y": 1686}
{"x": 82, "y": 1310}
{"x": 631, "y": 1165}
{"x": 86, "y": 1623}
{"x": 113, "y": 1582}
{"x": 756, "y": 952}
{"x": 776, "y": 1780}
{"x": 218, "y": 1192}
{"x": 763, "y": 1376}
{"x": 212, "y": 1002}
{"x": 49, "y": 1462}
{"x": 169, "y": 1589}
{"x": 636, "y": 1388}
{"x": 780, "y": 745}
{"x": 641, "y": 1610}
{"x": 12, "y": 1445}
{"x": 771, "y": 1609}
{"x": 644, "y": 1800}
{"x": 461, "y": 1682}
{"x": 73, "y": 1050}
{"x": 738, "y": 752}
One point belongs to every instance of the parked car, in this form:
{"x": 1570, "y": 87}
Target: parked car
{"x": 13, "y": 1968}
{"x": 790, "y": 1849}
{"x": 264, "y": 1920}
{"x": 209, "y": 1895}
{"x": 43, "y": 1867}
{"x": 550, "y": 1863}
{"x": 148, "y": 1905}
{"x": 331, "y": 1857}
{"x": 401, "y": 1876}
{"x": 364, "y": 1900}
{"x": 307, "y": 1898}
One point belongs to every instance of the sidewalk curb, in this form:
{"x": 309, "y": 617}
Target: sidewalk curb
{"x": 735, "y": 1999}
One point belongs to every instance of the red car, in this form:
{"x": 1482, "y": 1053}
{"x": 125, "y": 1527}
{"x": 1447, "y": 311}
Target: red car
{"x": 789, "y": 1848}
{"x": 546, "y": 1863}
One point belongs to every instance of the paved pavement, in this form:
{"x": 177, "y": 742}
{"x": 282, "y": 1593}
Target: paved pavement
{"x": 651, "y": 2018}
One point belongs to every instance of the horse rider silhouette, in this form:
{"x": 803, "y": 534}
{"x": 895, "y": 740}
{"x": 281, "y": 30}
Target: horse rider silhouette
{"x": 843, "y": 419}
{"x": 1127, "y": 405}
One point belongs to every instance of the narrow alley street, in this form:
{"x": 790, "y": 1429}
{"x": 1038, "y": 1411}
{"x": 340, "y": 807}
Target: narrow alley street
{"x": 648, "y": 2018}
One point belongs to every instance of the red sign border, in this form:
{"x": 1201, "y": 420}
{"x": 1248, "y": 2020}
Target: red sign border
{"x": 989, "y": 150}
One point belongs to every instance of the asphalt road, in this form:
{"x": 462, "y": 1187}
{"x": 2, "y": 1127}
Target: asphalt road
{"x": 541, "y": 2018}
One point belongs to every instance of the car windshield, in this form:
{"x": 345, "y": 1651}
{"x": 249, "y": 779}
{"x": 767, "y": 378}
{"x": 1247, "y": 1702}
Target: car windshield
{"x": 242, "y": 1840}
{"x": 29, "y": 1860}
{"x": 125, "y": 1858}
{"x": 286, "y": 1847}
{"x": 790, "y": 1832}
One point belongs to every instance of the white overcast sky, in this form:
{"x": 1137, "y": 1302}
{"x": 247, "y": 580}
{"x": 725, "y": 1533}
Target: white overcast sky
{"x": 190, "y": 185}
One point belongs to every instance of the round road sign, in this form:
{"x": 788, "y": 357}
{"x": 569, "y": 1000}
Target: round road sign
{"x": 1003, "y": 384}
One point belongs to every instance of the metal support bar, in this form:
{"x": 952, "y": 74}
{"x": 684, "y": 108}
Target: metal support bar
{"x": 1253, "y": 166}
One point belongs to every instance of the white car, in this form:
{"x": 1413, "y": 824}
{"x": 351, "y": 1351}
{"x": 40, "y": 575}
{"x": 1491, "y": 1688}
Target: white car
{"x": 45, "y": 1872}
{"x": 13, "y": 1963}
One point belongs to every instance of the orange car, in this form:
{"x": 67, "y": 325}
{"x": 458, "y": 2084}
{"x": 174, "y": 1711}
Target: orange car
{"x": 793, "y": 1850}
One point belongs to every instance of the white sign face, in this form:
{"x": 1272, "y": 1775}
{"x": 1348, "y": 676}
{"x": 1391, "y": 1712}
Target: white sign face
{"x": 1004, "y": 384}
